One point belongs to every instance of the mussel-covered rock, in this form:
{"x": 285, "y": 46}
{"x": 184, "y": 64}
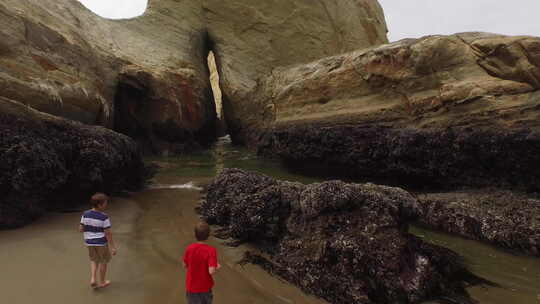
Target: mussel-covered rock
{"x": 505, "y": 219}
{"x": 346, "y": 243}
{"x": 449, "y": 158}
{"x": 48, "y": 162}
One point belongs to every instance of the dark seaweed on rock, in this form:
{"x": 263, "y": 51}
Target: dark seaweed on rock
{"x": 55, "y": 163}
{"x": 503, "y": 218}
{"x": 417, "y": 158}
{"x": 346, "y": 243}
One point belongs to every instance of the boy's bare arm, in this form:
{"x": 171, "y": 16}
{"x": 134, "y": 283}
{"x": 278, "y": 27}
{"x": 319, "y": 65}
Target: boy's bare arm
{"x": 212, "y": 270}
{"x": 81, "y": 228}
{"x": 108, "y": 235}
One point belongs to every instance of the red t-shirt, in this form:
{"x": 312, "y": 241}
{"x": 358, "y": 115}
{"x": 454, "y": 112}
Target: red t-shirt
{"x": 198, "y": 258}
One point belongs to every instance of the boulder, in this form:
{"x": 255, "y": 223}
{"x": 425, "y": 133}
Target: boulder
{"x": 50, "y": 163}
{"x": 346, "y": 243}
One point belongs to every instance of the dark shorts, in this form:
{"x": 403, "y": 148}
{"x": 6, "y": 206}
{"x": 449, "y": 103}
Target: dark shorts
{"x": 199, "y": 297}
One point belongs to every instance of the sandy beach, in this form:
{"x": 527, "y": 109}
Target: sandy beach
{"x": 47, "y": 261}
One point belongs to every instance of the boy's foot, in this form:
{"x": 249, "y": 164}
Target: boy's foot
{"x": 105, "y": 284}
{"x": 93, "y": 285}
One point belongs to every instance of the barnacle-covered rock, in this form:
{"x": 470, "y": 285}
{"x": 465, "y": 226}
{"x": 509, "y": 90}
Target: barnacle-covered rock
{"x": 419, "y": 158}
{"x": 48, "y": 162}
{"x": 347, "y": 243}
{"x": 505, "y": 219}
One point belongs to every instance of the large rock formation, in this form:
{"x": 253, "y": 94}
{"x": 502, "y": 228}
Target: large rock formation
{"x": 441, "y": 110}
{"x": 60, "y": 58}
{"x": 148, "y": 76}
{"x": 346, "y": 243}
{"x": 48, "y": 163}
{"x": 250, "y": 39}
{"x": 306, "y": 80}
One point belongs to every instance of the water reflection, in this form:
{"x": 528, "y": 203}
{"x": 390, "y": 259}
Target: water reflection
{"x": 518, "y": 276}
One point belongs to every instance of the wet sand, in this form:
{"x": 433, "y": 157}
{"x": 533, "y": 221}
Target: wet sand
{"x": 47, "y": 261}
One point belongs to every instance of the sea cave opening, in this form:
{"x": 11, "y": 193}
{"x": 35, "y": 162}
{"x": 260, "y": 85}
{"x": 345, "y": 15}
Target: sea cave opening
{"x": 131, "y": 108}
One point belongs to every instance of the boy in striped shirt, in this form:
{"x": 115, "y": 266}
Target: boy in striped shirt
{"x": 96, "y": 227}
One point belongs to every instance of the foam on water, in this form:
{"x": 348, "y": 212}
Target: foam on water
{"x": 189, "y": 185}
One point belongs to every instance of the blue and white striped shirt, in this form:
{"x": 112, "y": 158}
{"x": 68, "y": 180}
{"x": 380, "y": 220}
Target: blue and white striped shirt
{"x": 94, "y": 225}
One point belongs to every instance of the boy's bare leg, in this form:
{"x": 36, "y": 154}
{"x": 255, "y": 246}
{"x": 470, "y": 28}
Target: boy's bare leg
{"x": 93, "y": 270}
{"x": 103, "y": 275}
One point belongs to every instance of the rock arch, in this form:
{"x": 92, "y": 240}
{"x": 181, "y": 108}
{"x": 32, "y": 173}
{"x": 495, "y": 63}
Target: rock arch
{"x": 165, "y": 52}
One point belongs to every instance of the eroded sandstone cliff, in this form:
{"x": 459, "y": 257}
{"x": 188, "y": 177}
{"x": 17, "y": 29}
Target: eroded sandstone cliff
{"x": 145, "y": 77}
{"x": 148, "y": 77}
{"x": 442, "y": 111}
{"x": 251, "y": 39}
{"x": 287, "y": 68}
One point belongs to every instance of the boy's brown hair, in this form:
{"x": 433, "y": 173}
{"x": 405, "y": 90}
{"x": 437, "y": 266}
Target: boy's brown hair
{"x": 202, "y": 231}
{"x": 97, "y": 199}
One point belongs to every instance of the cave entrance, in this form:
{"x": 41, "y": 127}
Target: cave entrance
{"x": 221, "y": 126}
{"x": 130, "y": 108}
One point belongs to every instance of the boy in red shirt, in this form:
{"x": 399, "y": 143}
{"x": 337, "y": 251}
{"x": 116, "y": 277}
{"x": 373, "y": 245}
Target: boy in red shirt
{"x": 200, "y": 262}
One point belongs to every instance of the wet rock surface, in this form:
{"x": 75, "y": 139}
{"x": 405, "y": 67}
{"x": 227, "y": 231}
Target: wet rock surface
{"x": 505, "y": 219}
{"x": 346, "y": 243}
{"x": 415, "y": 158}
{"x": 457, "y": 159}
{"x": 51, "y": 163}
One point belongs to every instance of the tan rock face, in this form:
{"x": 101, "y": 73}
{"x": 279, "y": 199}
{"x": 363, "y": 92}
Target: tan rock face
{"x": 59, "y": 58}
{"x": 252, "y": 38}
{"x": 50, "y": 68}
{"x": 440, "y": 81}
{"x": 441, "y": 111}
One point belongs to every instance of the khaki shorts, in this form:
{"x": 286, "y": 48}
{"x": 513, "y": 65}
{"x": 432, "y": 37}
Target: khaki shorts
{"x": 99, "y": 254}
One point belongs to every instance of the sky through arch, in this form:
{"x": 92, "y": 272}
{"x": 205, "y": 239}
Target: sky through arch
{"x": 116, "y": 9}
